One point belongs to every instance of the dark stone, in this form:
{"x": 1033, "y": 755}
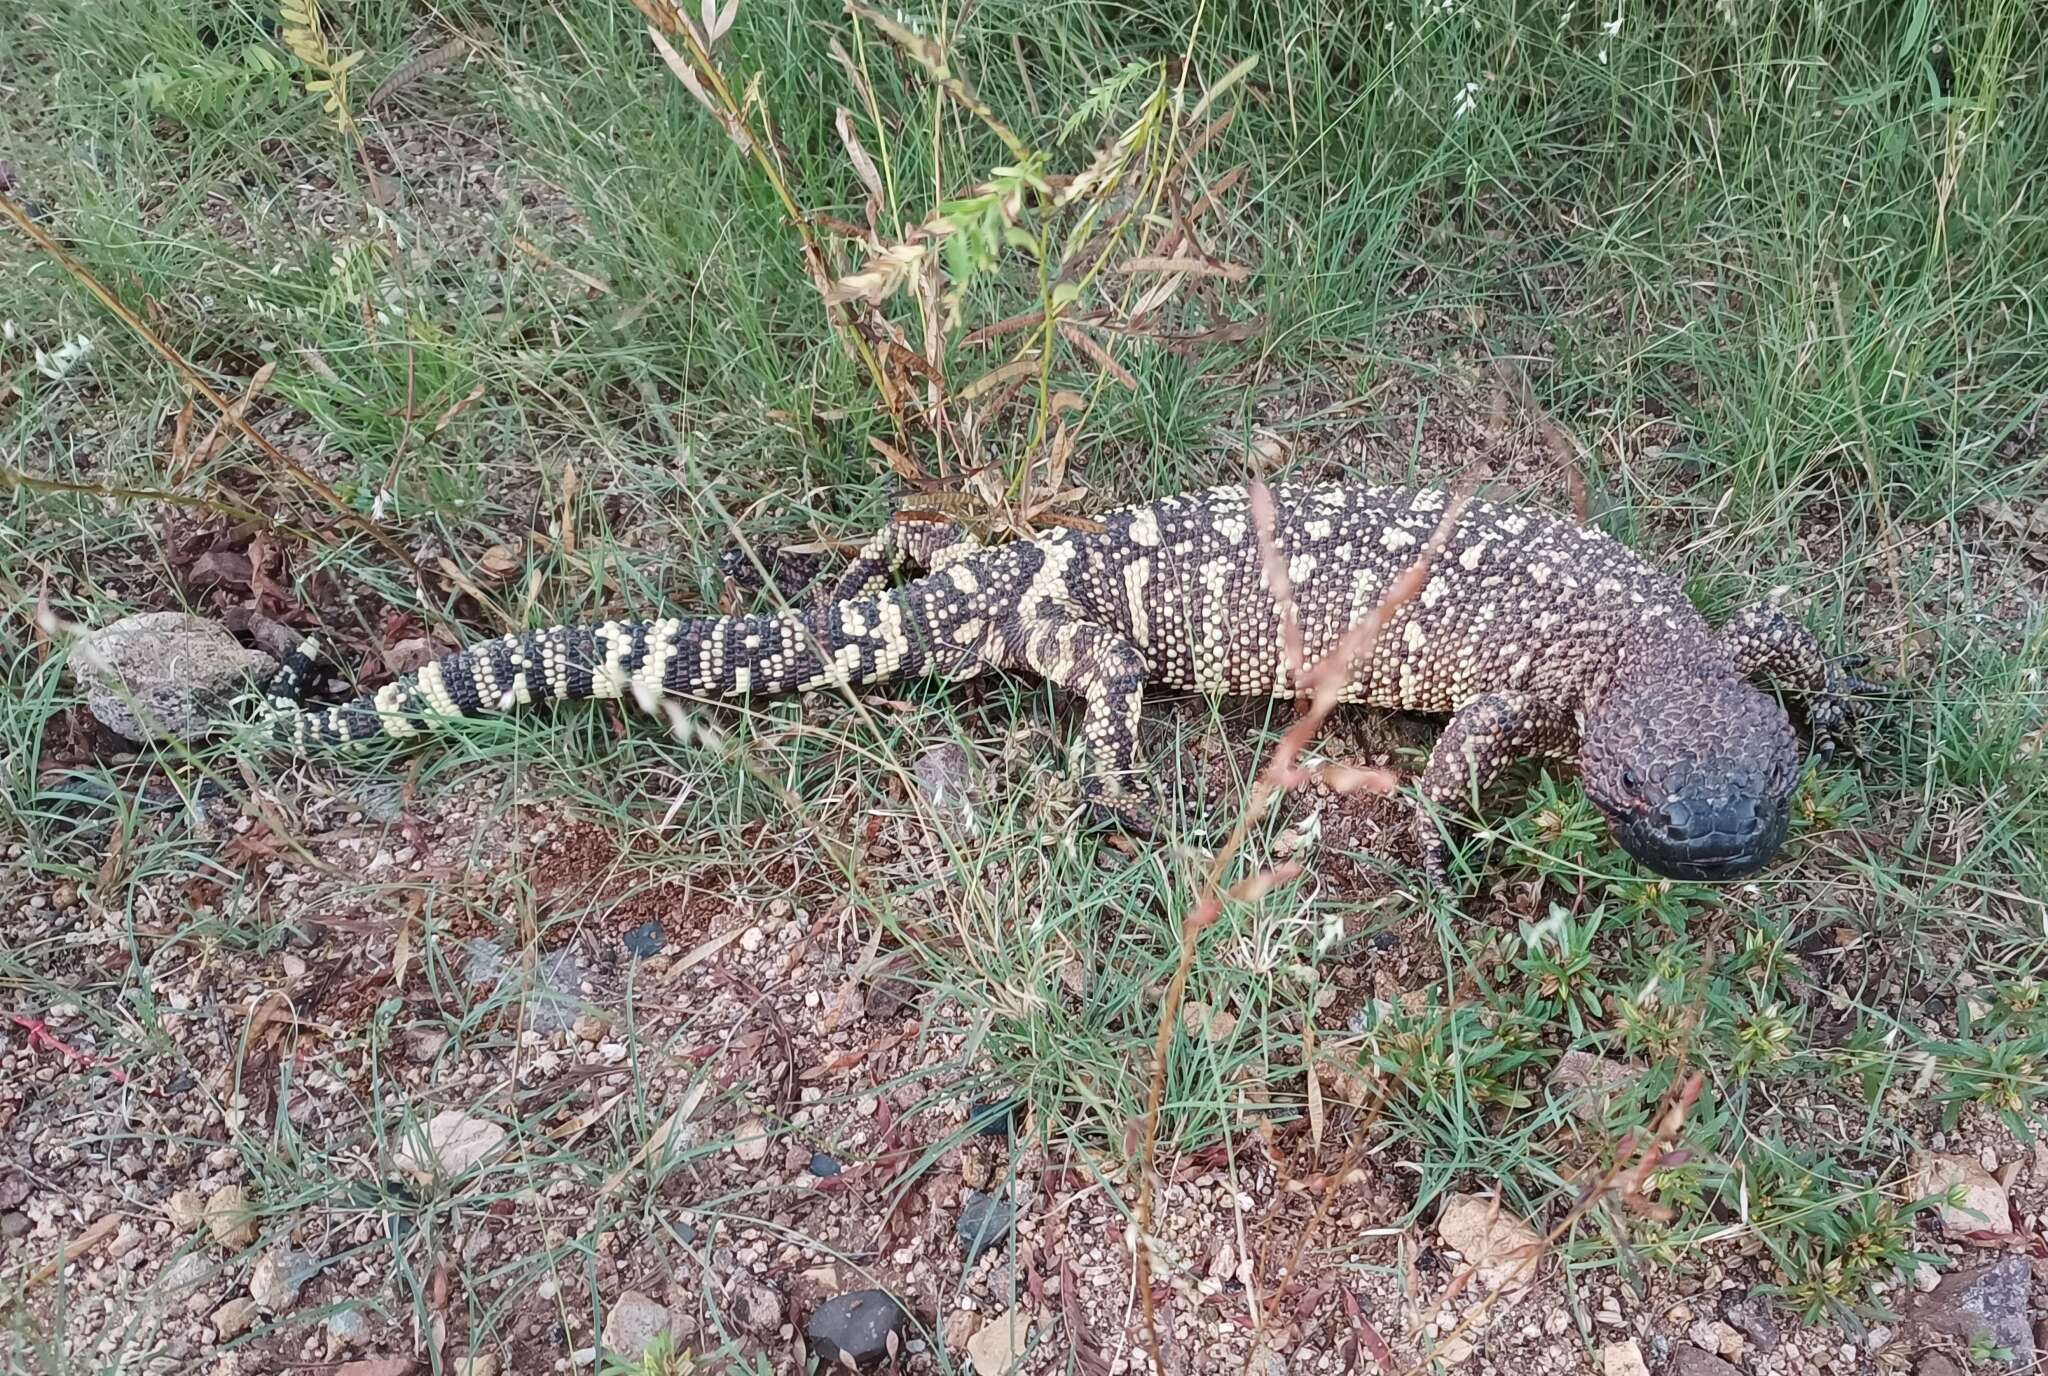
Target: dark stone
{"x": 891, "y": 994}
{"x": 1983, "y": 1304}
{"x": 823, "y": 1165}
{"x": 985, "y": 1222}
{"x": 1687, "y": 463}
{"x": 859, "y": 1329}
{"x": 1690, "y": 1361}
{"x": 1752, "y": 1315}
{"x": 1936, "y": 1364}
{"x": 645, "y": 940}
{"x": 992, "y": 1119}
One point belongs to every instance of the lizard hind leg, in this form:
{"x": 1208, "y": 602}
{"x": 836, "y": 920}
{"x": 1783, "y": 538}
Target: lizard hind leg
{"x": 913, "y": 541}
{"x": 1108, "y": 673}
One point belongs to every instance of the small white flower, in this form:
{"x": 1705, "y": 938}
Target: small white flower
{"x": 1613, "y": 27}
{"x": 1467, "y": 100}
{"x": 55, "y": 366}
{"x": 377, "y": 507}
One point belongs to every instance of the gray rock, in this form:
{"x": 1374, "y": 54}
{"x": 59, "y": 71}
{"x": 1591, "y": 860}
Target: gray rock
{"x": 13, "y": 1224}
{"x": 944, "y": 775}
{"x": 862, "y": 1328}
{"x": 232, "y": 1319}
{"x": 379, "y": 802}
{"x": 1590, "y": 1084}
{"x": 182, "y": 1275}
{"x": 347, "y": 1326}
{"x": 1936, "y": 1364}
{"x": 1983, "y": 1304}
{"x": 632, "y": 1324}
{"x": 554, "y": 994}
{"x": 556, "y": 999}
{"x": 1690, "y": 1361}
{"x": 486, "y": 961}
{"x": 992, "y": 1118}
{"x": 1752, "y": 1315}
{"x": 985, "y": 1222}
{"x": 182, "y": 671}
{"x": 278, "y": 1276}
{"x": 757, "y": 1306}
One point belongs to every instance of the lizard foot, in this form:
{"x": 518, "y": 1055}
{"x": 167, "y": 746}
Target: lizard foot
{"x": 1138, "y": 813}
{"x": 1834, "y": 713}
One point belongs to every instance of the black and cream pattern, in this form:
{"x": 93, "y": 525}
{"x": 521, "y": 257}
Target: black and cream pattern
{"x": 1537, "y": 636}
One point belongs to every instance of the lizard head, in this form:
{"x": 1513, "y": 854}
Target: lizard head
{"x": 1694, "y": 769}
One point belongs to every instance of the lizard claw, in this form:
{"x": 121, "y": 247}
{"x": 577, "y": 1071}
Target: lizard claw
{"x": 1436, "y": 852}
{"x": 1137, "y": 813}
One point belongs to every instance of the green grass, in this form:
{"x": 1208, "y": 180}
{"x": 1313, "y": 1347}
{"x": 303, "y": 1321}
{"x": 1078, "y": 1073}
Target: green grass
{"x": 1776, "y": 270}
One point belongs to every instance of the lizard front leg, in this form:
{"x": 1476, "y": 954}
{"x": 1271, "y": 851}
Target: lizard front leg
{"x": 1484, "y": 737}
{"x": 1771, "y": 648}
{"x": 1108, "y": 672}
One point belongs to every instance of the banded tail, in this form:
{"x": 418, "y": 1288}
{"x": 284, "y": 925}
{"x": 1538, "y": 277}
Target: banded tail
{"x": 863, "y": 640}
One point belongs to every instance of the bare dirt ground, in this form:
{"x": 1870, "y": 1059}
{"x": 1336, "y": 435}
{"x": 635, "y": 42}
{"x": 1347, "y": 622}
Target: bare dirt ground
{"x": 695, "y": 1092}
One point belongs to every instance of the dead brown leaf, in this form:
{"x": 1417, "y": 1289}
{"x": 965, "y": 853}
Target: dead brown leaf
{"x": 1088, "y": 345}
{"x": 863, "y": 165}
{"x": 499, "y": 563}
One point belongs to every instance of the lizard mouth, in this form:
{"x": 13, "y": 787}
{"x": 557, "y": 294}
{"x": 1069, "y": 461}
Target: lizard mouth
{"x": 1725, "y": 838}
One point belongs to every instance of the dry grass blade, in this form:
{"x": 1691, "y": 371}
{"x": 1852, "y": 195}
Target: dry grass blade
{"x": 1222, "y": 87}
{"x": 686, "y": 74}
{"x": 702, "y": 78}
{"x": 1278, "y": 585}
{"x": 885, "y": 274}
{"x": 597, "y": 285}
{"x": 1196, "y": 267}
{"x": 716, "y": 23}
{"x": 92, "y": 1237}
{"x": 1326, "y": 678}
{"x": 1014, "y": 371}
{"x": 217, "y": 437}
{"x": 659, "y": 1138}
{"x": 305, "y": 479}
{"x": 932, "y": 59}
{"x": 13, "y": 477}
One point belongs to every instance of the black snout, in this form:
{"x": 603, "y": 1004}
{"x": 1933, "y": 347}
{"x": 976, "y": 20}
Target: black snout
{"x": 1693, "y": 838}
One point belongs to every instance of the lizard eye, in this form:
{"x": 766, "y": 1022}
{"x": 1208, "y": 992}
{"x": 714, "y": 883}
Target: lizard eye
{"x": 1629, "y": 780}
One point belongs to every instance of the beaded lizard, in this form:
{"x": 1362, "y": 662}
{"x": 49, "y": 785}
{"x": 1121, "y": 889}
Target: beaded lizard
{"x": 1535, "y": 635}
